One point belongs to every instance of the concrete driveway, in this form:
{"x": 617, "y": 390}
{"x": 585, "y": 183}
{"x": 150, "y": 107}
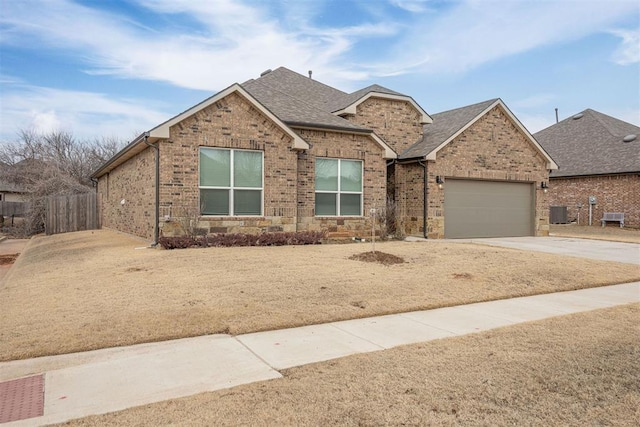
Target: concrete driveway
{"x": 628, "y": 253}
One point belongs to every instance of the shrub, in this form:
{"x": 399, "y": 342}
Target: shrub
{"x": 240, "y": 239}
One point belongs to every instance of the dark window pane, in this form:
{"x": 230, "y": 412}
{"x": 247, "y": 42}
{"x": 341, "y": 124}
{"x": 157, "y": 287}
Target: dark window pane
{"x": 247, "y": 202}
{"x": 214, "y": 202}
{"x": 350, "y": 204}
{"x": 326, "y": 204}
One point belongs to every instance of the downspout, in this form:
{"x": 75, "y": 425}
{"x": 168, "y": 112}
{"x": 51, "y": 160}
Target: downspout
{"x": 156, "y": 229}
{"x": 424, "y": 201}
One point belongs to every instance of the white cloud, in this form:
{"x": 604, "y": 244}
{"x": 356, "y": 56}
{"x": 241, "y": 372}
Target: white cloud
{"x": 414, "y": 6}
{"x": 85, "y": 114}
{"x": 629, "y": 50}
{"x": 477, "y": 32}
{"x": 230, "y": 43}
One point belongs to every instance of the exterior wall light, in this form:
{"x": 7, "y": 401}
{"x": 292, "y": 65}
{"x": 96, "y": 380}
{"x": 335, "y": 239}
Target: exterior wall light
{"x": 440, "y": 181}
{"x": 544, "y": 186}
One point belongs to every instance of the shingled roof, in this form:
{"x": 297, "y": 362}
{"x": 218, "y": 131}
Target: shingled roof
{"x": 592, "y": 143}
{"x": 302, "y": 101}
{"x": 300, "y": 104}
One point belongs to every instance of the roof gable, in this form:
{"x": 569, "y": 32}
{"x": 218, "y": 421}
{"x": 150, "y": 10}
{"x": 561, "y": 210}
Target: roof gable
{"x": 162, "y": 131}
{"x": 450, "y": 124}
{"x": 349, "y": 104}
{"x": 592, "y": 143}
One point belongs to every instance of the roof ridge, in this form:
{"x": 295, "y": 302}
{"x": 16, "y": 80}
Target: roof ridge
{"x": 311, "y": 79}
{"x": 600, "y": 118}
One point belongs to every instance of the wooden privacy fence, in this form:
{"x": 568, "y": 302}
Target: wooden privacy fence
{"x": 77, "y": 212}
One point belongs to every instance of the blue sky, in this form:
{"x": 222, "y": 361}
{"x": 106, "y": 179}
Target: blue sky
{"x": 120, "y": 67}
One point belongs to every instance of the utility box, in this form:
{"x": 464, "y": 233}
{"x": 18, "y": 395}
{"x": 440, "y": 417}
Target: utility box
{"x": 558, "y": 215}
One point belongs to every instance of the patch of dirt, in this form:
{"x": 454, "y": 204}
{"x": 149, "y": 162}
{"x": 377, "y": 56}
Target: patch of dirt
{"x": 462, "y": 276}
{"x": 379, "y": 257}
{"x": 8, "y": 259}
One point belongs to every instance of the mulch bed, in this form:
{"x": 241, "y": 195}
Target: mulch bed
{"x": 379, "y": 257}
{"x": 8, "y": 259}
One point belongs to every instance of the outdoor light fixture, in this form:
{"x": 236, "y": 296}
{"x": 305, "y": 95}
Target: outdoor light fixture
{"x": 544, "y": 186}
{"x": 439, "y": 181}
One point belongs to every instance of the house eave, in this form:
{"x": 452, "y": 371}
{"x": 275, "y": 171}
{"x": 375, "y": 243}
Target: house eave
{"x": 589, "y": 175}
{"x": 388, "y": 151}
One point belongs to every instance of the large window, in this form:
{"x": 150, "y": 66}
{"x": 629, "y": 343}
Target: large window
{"x": 338, "y": 187}
{"x": 230, "y": 182}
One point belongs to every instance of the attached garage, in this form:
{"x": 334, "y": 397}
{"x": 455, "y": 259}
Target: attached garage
{"x": 475, "y": 208}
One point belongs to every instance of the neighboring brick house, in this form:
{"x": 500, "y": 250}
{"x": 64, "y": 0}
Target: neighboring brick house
{"x": 599, "y": 156}
{"x": 285, "y": 152}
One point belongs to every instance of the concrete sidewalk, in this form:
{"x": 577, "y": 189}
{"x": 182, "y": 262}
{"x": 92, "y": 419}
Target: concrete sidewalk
{"x": 96, "y": 382}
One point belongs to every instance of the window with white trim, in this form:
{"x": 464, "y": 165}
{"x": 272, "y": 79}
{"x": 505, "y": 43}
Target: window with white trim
{"x": 231, "y": 182}
{"x": 338, "y": 187}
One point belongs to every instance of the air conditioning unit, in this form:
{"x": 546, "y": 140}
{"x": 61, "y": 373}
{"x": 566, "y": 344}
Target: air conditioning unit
{"x": 558, "y": 215}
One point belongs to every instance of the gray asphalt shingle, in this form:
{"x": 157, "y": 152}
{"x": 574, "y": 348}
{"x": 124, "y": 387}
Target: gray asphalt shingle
{"x": 298, "y": 100}
{"x": 591, "y": 145}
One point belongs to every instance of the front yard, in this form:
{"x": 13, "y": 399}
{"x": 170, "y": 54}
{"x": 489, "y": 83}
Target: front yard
{"x": 97, "y": 289}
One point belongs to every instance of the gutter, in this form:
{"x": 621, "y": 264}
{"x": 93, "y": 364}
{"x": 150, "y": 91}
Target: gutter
{"x": 156, "y": 228}
{"x": 424, "y": 198}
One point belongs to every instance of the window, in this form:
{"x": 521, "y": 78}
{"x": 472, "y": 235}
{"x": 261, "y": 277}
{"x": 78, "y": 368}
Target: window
{"x": 230, "y": 182}
{"x": 338, "y": 187}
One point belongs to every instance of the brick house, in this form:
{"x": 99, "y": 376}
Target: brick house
{"x": 599, "y": 156}
{"x": 285, "y": 152}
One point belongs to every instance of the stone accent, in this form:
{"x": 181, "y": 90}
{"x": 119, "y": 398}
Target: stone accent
{"x": 491, "y": 149}
{"x": 614, "y": 193}
{"x": 133, "y": 182}
{"x": 396, "y": 122}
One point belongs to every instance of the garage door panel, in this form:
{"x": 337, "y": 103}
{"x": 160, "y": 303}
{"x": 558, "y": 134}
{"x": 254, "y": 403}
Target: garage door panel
{"x": 488, "y": 209}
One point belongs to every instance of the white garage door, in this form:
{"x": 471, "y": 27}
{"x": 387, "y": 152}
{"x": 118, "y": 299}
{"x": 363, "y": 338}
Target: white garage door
{"x": 488, "y": 209}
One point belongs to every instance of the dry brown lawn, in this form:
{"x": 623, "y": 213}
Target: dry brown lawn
{"x": 576, "y": 370}
{"x": 88, "y": 290}
{"x": 610, "y": 232}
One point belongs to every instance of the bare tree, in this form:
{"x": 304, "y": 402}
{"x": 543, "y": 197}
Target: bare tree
{"x": 52, "y": 164}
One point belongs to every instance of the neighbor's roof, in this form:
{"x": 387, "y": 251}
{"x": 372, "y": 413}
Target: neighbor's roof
{"x": 10, "y": 187}
{"x": 448, "y": 125}
{"x": 592, "y": 143}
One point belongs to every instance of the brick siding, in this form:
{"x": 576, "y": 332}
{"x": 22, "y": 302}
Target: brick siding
{"x": 233, "y": 122}
{"x": 614, "y": 193}
{"x": 289, "y": 176}
{"x": 491, "y": 149}
{"x": 340, "y": 146}
{"x": 133, "y": 182}
{"x": 396, "y": 122}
